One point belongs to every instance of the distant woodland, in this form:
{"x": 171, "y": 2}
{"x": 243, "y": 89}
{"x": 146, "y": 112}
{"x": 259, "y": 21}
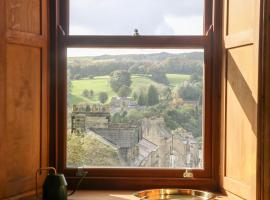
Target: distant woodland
{"x": 87, "y": 67}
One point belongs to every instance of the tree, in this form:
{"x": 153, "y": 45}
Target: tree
{"x": 119, "y": 78}
{"x": 167, "y": 93}
{"x": 103, "y": 97}
{"x": 186, "y": 63}
{"x": 86, "y": 93}
{"x": 195, "y": 78}
{"x": 141, "y": 99}
{"x": 124, "y": 91}
{"x": 159, "y": 77}
{"x": 77, "y": 77}
{"x": 134, "y": 116}
{"x": 91, "y": 93}
{"x": 89, "y": 150}
{"x": 91, "y": 77}
{"x": 134, "y": 96}
{"x": 75, "y": 150}
{"x": 116, "y": 118}
{"x": 187, "y": 117}
{"x": 152, "y": 96}
{"x": 169, "y": 119}
{"x": 120, "y": 117}
{"x": 190, "y": 91}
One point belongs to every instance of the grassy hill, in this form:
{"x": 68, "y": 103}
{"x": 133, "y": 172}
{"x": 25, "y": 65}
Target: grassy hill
{"x": 101, "y": 84}
{"x": 181, "y": 63}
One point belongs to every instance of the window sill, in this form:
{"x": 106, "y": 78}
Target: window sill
{"x": 114, "y": 195}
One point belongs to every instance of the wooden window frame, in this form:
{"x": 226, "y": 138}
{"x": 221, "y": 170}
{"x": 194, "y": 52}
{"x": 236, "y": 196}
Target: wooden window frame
{"x": 137, "y": 178}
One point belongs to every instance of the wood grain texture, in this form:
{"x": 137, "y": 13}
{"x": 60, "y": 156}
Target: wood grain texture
{"x": 2, "y": 93}
{"x": 237, "y": 187}
{"x": 23, "y": 124}
{"x": 24, "y": 15}
{"x": 29, "y": 195}
{"x": 264, "y": 115}
{"x": 134, "y": 42}
{"x": 240, "y": 98}
{"x": 239, "y": 39}
{"x": 24, "y": 83}
{"x": 241, "y": 117}
{"x": 231, "y": 196}
{"x": 28, "y": 39}
{"x": 240, "y": 15}
{"x": 127, "y": 183}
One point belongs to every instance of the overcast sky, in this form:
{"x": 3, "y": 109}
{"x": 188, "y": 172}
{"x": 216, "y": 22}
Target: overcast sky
{"x": 150, "y": 17}
{"x": 121, "y": 17}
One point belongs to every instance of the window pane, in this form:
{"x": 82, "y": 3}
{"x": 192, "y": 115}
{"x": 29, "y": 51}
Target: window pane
{"x": 135, "y": 108}
{"x": 150, "y": 17}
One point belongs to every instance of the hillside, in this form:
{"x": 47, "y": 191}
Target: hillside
{"x": 183, "y": 63}
{"x": 100, "y": 84}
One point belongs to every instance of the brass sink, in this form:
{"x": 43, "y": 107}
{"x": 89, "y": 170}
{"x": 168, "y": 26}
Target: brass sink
{"x": 174, "y": 194}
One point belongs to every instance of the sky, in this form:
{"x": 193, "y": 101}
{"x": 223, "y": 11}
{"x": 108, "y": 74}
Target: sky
{"x": 121, "y": 17}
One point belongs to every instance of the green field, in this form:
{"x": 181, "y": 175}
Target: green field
{"x": 101, "y": 84}
{"x": 176, "y": 79}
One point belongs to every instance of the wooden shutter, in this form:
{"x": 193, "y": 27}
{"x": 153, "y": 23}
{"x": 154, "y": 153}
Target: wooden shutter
{"x": 23, "y": 95}
{"x": 264, "y": 114}
{"x": 240, "y": 97}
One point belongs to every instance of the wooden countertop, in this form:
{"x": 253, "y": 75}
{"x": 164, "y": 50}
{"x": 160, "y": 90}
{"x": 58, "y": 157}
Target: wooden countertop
{"x": 112, "y": 195}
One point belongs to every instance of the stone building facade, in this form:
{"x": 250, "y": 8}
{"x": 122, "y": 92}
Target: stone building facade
{"x": 149, "y": 144}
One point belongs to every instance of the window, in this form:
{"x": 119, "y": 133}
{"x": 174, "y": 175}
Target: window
{"x": 136, "y": 103}
{"x": 135, "y": 108}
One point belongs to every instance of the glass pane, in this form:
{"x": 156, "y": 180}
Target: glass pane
{"x": 150, "y": 17}
{"x": 135, "y": 108}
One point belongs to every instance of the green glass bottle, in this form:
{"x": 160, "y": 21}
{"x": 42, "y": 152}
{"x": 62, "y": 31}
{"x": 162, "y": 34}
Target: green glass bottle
{"x": 55, "y": 187}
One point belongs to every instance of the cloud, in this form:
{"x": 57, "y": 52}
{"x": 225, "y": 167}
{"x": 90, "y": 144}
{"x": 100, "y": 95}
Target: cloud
{"x": 123, "y": 16}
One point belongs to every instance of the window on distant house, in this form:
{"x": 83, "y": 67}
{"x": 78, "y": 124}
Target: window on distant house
{"x": 135, "y": 97}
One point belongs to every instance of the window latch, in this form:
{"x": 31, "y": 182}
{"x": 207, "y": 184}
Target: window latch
{"x": 211, "y": 28}
{"x": 188, "y": 174}
{"x": 61, "y": 30}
